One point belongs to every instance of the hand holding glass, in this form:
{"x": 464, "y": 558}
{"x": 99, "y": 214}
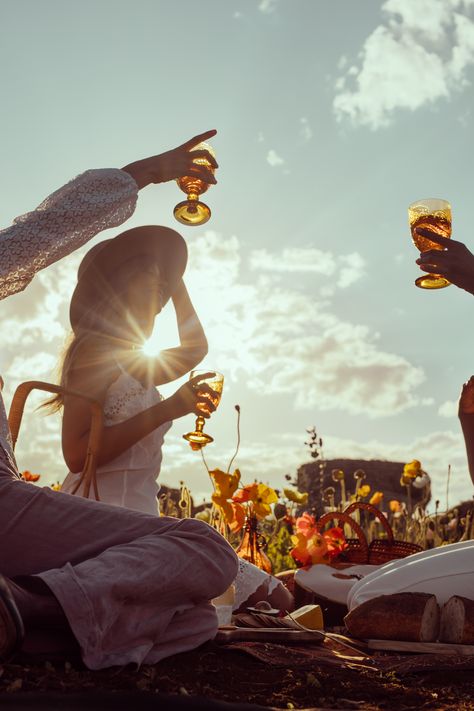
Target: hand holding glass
{"x": 192, "y": 211}
{"x": 434, "y": 215}
{"x": 213, "y": 393}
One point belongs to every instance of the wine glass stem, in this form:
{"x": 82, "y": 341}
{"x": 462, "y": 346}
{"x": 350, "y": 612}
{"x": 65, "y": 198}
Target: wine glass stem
{"x": 200, "y": 423}
{"x": 193, "y": 197}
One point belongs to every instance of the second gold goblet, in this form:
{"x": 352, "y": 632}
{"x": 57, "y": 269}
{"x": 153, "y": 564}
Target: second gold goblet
{"x": 215, "y": 383}
{"x": 434, "y": 215}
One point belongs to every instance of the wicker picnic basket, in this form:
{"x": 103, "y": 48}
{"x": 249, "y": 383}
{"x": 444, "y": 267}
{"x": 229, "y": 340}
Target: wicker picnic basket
{"x": 378, "y": 551}
{"x": 88, "y": 475}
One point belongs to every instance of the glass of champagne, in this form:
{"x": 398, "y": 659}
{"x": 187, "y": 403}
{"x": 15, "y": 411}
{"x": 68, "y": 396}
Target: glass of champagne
{"x": 434, "y": 215}
{"x": 198, "y": 438}
{"x": 192, "y": 211}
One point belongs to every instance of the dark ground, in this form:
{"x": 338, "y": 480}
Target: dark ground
{"x": 226, "y": 675}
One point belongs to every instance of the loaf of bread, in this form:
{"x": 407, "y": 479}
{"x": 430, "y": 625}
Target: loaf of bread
{"x": 457, "y": 621}
{"x": 410, "y": 617}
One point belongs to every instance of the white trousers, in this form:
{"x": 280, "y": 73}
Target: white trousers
{"x": 134, "y": 587}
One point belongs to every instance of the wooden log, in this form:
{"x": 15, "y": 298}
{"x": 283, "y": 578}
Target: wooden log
{"x": 411, "y": 617}
{"x": 457, "y": 621}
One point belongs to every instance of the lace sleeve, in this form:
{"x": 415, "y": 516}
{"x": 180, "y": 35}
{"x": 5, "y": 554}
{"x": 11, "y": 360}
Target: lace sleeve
{"x": 67, "y": 219}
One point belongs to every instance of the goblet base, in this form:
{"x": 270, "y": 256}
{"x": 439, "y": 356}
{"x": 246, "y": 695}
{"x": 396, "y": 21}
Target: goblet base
{"x": 432, "y": 281}
{"x": 192, "y": 212}
{"x": 201, "y": 438}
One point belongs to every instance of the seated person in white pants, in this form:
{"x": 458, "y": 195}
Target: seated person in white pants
{"x": 121, "y": 586}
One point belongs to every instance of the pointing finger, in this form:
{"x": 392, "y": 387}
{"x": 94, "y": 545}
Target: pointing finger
{"x": 198, "y": 139}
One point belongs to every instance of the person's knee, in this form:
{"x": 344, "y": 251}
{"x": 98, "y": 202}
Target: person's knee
{"x": 218, "y": 549}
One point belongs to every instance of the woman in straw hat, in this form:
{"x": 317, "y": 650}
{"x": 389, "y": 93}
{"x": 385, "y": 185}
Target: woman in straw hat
{"x": 122, "y": 286}
{"x": 112, "y": 582}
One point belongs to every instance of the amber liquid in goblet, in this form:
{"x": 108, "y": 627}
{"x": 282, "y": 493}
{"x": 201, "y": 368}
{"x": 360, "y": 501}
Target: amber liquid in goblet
{"x": 192, "y": 211}
{"x": 437, "y": 221}
{"x": 216, "y": 384}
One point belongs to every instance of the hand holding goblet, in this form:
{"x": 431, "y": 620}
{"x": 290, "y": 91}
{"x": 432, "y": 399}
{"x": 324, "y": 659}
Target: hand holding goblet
{"x": 209, "y": 387}
{"x": 430, "y": 216}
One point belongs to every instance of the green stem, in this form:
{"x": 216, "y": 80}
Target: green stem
{"x": 237, "y": 407}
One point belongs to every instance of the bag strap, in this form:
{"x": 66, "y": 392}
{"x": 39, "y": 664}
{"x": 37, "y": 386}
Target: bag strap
{"x": 345, "y": 518}
{"x": 376, "y": 512}
{"x": 88, "y": 475}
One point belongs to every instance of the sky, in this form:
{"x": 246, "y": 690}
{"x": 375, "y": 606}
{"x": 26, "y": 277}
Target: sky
{"x": 332, "y": 118}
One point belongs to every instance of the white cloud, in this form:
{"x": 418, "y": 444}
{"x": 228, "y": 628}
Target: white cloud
{"x": 346, "y": 269}
{"x": 306, "y": 131}
{"x": 274, "y": 159}
{"x": 420, "y": 54}
{"x": 352, "y": 270}
{"x": 290, "y": 342}
{"x": 267, "y": 6}
{"x": 448, "y": 409}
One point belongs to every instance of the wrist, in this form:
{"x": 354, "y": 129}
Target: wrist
{"x": 139, "y": 173}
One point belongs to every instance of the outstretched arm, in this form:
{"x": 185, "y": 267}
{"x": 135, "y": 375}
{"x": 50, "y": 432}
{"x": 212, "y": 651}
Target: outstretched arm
{"x": 94, "y": 201}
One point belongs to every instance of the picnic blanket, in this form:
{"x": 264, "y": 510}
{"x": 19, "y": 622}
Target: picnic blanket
{"x": 332, "y": 654}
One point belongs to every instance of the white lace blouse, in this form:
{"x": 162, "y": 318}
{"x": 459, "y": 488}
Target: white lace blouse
{"x": 94, "y": 201}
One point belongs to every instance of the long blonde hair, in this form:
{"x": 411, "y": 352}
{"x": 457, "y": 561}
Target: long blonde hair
{"x": 102, "y": 329}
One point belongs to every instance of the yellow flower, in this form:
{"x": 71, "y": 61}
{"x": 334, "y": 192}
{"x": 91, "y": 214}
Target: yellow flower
{"x": 376, "y": 498}
{"x": 225, "y": 486}
{"x": 412, "y": 469}
{"x": 394, "y": 505}
{"x": 296, "y": 497}
{"x": 363, "y": 490}
{"x": 264, "y": 496}
{"x": 406, "y": 479}
{"x": 56, "y": 486}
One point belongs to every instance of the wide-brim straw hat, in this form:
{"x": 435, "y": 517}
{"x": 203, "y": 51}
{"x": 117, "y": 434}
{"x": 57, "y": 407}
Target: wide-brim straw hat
{"x": 95, "y": 278}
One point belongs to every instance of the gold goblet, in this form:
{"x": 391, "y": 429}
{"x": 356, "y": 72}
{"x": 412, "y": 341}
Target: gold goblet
{"x": 192, "y": 211}
{"x": 434, "y": 215}
{"x": 197, "y": 437}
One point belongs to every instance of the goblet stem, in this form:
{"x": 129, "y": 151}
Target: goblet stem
{"x": 200, "y": 421}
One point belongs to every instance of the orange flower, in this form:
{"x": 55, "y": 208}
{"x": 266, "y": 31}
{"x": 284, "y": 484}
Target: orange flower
{"x": 28, "y": 476}
{"x": 376, "y": 498}
{"x": 335, "y": 541}
{"x": 305, "y": 524}
{"x": 394, "y": 506}
{"x": 309, "y": 550}
{"x": 247, "y": 493}
{"x": 195, "y": 446}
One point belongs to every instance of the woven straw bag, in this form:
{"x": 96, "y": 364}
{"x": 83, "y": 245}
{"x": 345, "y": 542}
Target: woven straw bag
{"x": 88, "y": 475}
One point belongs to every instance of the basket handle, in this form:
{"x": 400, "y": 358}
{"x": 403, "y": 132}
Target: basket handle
{"x": 88, "y": 474}
{"x": 375, "y": 511}
{"x": 345, "y": 518}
